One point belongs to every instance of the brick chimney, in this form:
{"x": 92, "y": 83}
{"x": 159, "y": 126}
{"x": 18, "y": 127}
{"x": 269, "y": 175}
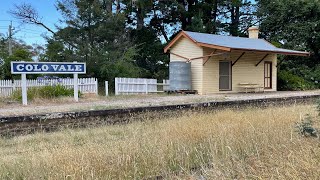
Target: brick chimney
{"x": 253, "y": 32}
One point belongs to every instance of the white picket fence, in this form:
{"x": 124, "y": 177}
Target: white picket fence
{"x": 139, "y": 86}
{"x": 86, "y": 85}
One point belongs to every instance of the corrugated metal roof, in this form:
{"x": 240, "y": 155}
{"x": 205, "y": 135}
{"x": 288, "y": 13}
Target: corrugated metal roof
{"x": 238, "y": 42}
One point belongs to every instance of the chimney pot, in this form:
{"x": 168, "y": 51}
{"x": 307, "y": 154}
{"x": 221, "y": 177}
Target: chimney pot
{"x": 253, "y": 32}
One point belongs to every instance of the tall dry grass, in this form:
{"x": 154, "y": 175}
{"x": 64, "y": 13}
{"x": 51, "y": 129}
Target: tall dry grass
{"x": 228, "y": 144}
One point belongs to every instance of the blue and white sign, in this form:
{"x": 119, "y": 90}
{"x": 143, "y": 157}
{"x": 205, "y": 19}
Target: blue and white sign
{"x": 25, "y": 68}
{"x": 47, "y": 68}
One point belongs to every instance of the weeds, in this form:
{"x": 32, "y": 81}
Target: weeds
{"x": 306, "y": 127}
{"x": 44, "y": 92}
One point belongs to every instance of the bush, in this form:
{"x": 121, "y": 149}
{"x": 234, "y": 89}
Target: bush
{"x": 292, "y": 82}
{"x": 306, "y": 127}
{"x": 313, "y": 76}
{"x": 45, "y": 92}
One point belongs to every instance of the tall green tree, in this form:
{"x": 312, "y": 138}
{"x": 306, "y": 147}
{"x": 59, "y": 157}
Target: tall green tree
{"x": 98, "y": 36}
{"x": 21, "y": 52}
{"x": 130, "y": 34}
{"x": 150, "y": 57}
{"x": 18, "y": 55}
{"x": 294, "y": 24}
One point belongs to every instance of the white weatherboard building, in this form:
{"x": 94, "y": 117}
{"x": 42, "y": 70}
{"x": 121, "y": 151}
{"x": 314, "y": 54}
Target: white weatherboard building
{"x": 228, "y": 64}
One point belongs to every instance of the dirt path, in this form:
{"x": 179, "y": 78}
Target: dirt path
{"x": 96, "y": 103}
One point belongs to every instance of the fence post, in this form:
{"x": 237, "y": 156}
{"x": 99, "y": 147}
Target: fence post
{"x": 13, "y": 85}
{"x": 163, "y": 85}
{"x": 107, "y": 89}
{"x": 96, "y": 85}
{"x": 146, "y": 83}
{"x": 116, "y": 86}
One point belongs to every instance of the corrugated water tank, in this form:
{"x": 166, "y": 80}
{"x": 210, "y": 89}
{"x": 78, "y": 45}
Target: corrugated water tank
{"x": 180, "y": 75}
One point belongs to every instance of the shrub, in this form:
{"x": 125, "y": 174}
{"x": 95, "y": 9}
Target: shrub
{"x": 292, "y": 82}
{"x": 46, "y": 92}
{"x": 306, "y": 127}
{"x": 313, "y": 76}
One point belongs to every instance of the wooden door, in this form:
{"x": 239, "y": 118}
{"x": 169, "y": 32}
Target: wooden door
{"x": 268, "y": 75}
{"x": 225, "y": 76}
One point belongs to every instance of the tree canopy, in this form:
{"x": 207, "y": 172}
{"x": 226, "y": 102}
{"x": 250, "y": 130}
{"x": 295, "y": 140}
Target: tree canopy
{"x": 126, "y": 37}
{"x": 294, "y": 24}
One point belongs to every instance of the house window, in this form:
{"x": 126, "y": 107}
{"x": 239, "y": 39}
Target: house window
{"x": 268, "y": 75}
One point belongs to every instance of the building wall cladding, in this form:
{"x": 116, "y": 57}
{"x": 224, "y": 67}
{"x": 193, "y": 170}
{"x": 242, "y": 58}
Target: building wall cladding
{"x": 185, "y": 47}
{"x": 244, "y": 71}
{"x": 205, "y": 78}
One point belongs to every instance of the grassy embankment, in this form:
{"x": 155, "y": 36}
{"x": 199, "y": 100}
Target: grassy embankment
{"x": 251, "y": 143}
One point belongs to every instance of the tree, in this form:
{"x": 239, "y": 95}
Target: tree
{"x": 125, "y": 33}
{"x": 101, "y": 39}
{"x": 18, "y": 55}
{"x": 294, "y": 24}
{"x": 27, "y": 14}
{"x": 21, "y": 51}
{"x": 150, "y": 57}
{"x": 3, "y": 47}
{"x": 55, "y": 51}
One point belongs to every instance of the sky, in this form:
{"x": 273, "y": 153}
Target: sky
{"x": 29, "y": 33}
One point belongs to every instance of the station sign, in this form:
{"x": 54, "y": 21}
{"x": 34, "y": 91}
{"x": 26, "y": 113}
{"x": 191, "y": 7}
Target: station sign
{"x": 47, "y": 68}
{"x": 24, "y": 68}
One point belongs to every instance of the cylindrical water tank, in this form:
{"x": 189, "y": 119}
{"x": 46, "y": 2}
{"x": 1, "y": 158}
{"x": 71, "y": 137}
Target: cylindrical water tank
{"x": 180, "y": 75}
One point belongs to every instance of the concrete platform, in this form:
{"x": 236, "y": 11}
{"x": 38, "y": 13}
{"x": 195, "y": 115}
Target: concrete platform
{"x": 132, "y": 101}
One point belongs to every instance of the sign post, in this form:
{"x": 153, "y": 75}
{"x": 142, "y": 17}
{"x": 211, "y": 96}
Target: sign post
{"x": 75, "y": 86}
{"x": 24, "y": 88}
{"x": 25, "y": 68}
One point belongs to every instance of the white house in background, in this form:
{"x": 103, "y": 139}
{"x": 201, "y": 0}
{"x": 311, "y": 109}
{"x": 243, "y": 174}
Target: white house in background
{"x": 226, "y": 63}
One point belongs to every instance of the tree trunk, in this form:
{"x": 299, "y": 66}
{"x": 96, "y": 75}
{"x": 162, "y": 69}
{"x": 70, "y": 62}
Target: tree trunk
{"x": 210, "y": 15}
{"x": 140, "y": 18}
{"x": 183, "y": 18}
{"x": 108, "y": 5}
{"x": 235, "y": 17}
{"x": 118, "y": 6}
{"x": 214, "y": 16}
{"x": 191, "y": 4}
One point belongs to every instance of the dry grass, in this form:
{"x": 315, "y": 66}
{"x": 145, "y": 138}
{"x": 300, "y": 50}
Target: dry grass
{"x": 250, "y": 144}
